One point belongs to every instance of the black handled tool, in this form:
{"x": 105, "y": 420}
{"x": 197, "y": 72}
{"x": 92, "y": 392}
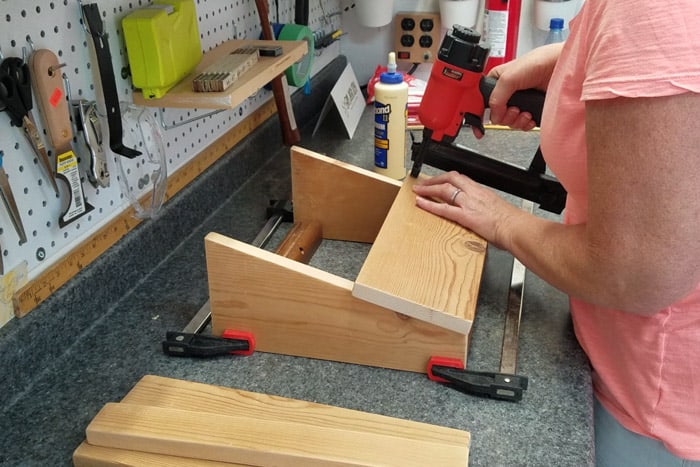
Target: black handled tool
{"x": 16, "y": 97}
{"x": 95, "y": 27}
{"x": 479, "y": 383}
{"x": 183, "y": 344}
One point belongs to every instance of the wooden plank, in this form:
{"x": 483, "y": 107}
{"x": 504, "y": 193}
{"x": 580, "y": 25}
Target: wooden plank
{"x": 40, "y": 288}
{"x": 265, "y": 70}
{"x": 259, "y": 441}
{"x": 158, "y": 391}
{"x": 349, "y": 202}
{"x": 87, "y": 455}
{"x": 423, "y": 266}
{"x": 296, "y": 309}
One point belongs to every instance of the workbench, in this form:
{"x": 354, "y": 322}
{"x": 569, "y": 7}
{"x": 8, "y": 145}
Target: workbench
{"x": 92, "y": 340}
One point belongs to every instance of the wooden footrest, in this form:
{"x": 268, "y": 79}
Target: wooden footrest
{"x": 414, "y": 299}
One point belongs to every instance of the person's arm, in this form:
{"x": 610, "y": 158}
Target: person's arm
{"x": 640, "y": 249}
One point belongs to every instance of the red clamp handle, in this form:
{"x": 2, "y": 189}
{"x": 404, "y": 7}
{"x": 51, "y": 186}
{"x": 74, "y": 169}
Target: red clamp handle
{"x": 243, "y": 336}
{"x": 443, "y": 361}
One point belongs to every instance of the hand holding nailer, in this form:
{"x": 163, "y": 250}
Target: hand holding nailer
{"x": 458, "y": 92}
{"x": 530, "y": 71}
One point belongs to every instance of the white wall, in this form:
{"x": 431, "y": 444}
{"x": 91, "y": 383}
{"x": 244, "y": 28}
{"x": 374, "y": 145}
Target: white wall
{"x": 367, "y": 47}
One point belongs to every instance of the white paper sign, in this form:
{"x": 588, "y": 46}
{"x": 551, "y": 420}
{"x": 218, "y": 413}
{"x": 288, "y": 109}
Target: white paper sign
{"x": 347, "y": 98}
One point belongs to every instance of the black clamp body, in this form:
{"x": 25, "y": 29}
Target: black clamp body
{"x": 182, "y": 344}
{"x": 481, "y": 383}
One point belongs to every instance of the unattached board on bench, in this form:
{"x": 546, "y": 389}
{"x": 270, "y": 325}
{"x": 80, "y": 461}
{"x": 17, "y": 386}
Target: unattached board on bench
{"x": 247, "y": 428}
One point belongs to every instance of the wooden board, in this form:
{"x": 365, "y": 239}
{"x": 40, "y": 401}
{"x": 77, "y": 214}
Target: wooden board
{"x": 265, "y": 70}
{"x": 296, "y": 309}
{"x": 349, "y": 202}
{"x": 257, "y": 429}
{"x": 88, "y": 455}
{"x": 423, "y": 266}
{"x": 158, "y": 391}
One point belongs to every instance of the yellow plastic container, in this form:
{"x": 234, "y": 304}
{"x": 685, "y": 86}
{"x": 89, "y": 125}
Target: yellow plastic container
{"x": 162, "y": 43}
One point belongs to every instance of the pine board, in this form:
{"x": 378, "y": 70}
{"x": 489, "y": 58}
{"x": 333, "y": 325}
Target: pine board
{"x": 158, "y": 391}
{"x": 423, "y": 266}
{"x": 258, "y": 429}
{"x": 88, "y": 455}
{"x": 349, "y": 202}
{"x": 296, "y": 309}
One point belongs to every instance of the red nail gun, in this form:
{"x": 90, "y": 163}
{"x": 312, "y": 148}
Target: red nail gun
{"x": 457, "y": 93}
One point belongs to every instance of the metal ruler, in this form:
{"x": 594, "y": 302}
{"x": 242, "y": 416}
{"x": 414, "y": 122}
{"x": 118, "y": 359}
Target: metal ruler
{"x": 514, "y": 310}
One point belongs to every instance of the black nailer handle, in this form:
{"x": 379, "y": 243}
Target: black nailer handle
{"x": 528, "y": 100}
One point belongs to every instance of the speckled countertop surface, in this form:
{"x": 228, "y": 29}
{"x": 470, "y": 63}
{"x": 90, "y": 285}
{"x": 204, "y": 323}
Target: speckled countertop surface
{"x": 98, "y": 335}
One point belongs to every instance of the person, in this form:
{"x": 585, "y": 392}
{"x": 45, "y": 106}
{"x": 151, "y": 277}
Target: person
{"x": 621, "y": 131}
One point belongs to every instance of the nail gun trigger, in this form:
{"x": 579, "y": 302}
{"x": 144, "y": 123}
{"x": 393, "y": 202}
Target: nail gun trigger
{"x": 474, "y": 121}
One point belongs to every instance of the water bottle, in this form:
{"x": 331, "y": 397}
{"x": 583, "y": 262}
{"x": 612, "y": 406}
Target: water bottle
{"x": 556, "y": 31}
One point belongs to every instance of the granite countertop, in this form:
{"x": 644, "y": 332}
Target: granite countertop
{"x": 97, "y": 336}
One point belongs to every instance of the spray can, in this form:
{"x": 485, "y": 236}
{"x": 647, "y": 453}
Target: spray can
{"x": 390, "y": 114}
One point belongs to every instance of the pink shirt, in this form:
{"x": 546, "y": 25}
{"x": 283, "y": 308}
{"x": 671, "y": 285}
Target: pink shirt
{"x": 646, "y": 369}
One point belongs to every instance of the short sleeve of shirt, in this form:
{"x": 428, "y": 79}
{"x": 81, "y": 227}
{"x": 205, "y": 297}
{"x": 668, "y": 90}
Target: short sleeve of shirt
{"x": 641, "y": 48}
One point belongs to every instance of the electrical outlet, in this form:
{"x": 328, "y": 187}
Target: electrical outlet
{"x": 417, "y": 36}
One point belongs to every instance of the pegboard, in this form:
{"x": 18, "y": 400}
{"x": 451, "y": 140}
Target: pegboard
{"x": 57, "y": 25}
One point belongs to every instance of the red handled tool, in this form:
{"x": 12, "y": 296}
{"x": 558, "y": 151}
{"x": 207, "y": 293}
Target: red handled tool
{"x": 457, "y": 92}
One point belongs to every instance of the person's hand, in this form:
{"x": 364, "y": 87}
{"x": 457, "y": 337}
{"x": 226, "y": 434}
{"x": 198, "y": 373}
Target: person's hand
{"x": 460, "y": 199}
{"x": 531, "y": 71}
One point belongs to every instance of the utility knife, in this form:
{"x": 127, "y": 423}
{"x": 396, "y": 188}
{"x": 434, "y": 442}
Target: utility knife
{"x": 88, "y": 124}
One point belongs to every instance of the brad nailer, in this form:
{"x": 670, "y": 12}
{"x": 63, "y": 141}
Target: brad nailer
{"x": 457, "y": 93}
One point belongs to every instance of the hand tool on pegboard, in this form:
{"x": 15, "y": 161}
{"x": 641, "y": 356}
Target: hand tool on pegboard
{"x": 53, "y": 108}
{"x": 290, "y": 132}
{"x": 9, "y": 199}
{"x": 301, "y": 12}
{"x": 92, "y": 22}
{"x": 16, "y": 95}
{"x": 87, "y": 123}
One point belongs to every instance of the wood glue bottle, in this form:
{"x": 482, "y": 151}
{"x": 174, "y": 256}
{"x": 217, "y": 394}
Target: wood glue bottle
{"x": 390, "y": 115}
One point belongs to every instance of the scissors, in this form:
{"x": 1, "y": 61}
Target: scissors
{"x": 16, "y": 97}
